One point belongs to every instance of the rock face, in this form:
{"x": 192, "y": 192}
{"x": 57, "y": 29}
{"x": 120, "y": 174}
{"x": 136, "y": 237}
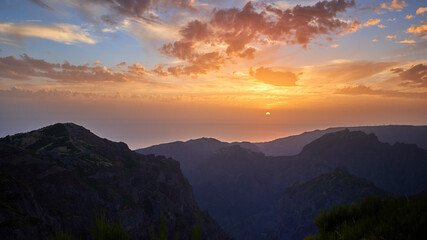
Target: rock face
{"x": 58, "y": 178}
{"x": 302, "y": 202}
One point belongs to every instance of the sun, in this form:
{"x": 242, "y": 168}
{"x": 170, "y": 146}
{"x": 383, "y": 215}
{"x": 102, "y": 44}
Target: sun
{"x": 268, "y": 113}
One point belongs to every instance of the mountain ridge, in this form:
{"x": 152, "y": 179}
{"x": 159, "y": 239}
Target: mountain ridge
{"x": 58, "y": 178}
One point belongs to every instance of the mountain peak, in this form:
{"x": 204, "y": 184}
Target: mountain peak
{"x": 71, "y": 144}
{"x": 339, "y": 140}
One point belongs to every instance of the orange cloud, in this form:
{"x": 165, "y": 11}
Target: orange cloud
{"x": 420, "y": 31}
{"x": 237, "y": 28}
{"x": 391, "y": 36}
{"x": 353, "y": 27}
{"x": 409, "y": 17}
{"x": 276, "y": 78}
{"x": 371, "y": 22}
{"x": 382, "y": 26}
{"x": 394, "y": 5}
{"x": 374, "y": 40}
{"x": 421, "y": 10}
{"x": 407, "y": 41}
{"x": 334, "y": 46}
{"x": 392, "y": 20}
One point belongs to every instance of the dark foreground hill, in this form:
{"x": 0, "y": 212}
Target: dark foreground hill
{"x": 58, "y": 178}
{"x": 242, "y": 189}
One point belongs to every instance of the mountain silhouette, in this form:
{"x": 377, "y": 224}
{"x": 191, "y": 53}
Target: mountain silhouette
{"x": 391, "y": 134}
{"x": 242, "y": 188}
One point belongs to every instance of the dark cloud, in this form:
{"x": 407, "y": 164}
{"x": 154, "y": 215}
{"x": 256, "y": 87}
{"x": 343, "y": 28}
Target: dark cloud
{"x": 276, "y": 78}
{"x": 258, "y": 23}
{"x": 42, "y": 4}
{"x": 415, "y": 76}
{"x": 365, "y": 90}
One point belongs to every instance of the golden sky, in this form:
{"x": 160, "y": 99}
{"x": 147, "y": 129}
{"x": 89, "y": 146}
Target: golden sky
{"x": 145, "y": 71}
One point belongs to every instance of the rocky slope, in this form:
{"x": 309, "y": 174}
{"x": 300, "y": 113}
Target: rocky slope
{"x": 60, "y": 177}
{"x": 302, "y": 202}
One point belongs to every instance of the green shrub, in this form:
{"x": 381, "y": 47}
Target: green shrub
{"x": 106, "y": 230}
{"x": 374, "y": 218}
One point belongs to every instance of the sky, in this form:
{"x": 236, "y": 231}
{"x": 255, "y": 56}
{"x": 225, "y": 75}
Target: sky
{"x": 151, "y": 71}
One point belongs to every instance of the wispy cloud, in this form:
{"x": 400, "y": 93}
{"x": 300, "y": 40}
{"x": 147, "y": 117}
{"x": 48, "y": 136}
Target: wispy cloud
{"x": 407, "y": 41}
{"x": 26, "y": 68}
{"x": 409, "y": 17}
{"x": 63, "y": 33}
{"x": 365, "y": 90}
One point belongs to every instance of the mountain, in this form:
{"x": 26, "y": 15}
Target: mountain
{"x": 242, "y": 189}
{"x": 193, "y": 152}
{"x": 58, "y": 178}
{"x": 302, "y": 202}
{"x": 391, "y": 134}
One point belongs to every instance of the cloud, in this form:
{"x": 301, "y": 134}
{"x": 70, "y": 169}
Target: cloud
{"x": 407, "y": 41}
{"x": 276, "y": 78}
{"x": 394, "y": 5}
{"x": 415, "y": 76}
{"x": 42, "y": 4}
{"x": 391, "y": 19}
{"x": 261, "y": 23}
{"x": 353, "y": 27}
{"x": 374, "y": 40}
{"x": 26, "y": 68}
{"x": 334, "y": 46}
{"x": 365, "y": 90}
{"x": 421, "y": 10}
{"x": 409, "y": 17}
{"x": 390, "y": 36}
{"x": 63, "y": 33}
{"x": 371, "y": 22}
{"x": 115, "y": 10}
{"x": 420, "y": 31}
{"x": 382, "y": 26}
{"x": 347, "y": 71}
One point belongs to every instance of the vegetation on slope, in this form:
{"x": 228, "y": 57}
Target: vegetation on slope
{"x": 375, "y": 218}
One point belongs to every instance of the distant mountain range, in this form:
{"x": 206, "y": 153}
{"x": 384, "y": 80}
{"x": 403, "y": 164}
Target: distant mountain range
{"x": 58, "y": 178}
{"x": 388, "y": 134}
{"x": 242, "y": 188}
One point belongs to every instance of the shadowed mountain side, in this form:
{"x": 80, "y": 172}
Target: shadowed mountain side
{"x": 302, "y": 202}
{"x": 193, "y": 152}
{"x": 59, "y": 177}
{"x": 388, "y": 134}
{"x": 242, "y": 188}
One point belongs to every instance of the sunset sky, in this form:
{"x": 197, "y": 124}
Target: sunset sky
{"x": 152, "y": 71}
